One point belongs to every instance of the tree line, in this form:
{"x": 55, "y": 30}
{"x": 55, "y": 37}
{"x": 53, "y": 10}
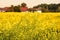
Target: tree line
{"x": 41, "y": 7}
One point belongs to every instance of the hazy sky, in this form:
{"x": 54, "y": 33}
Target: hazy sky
{"x": 30, "y": 3}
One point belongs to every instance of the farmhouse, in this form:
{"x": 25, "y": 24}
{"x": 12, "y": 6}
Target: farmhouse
{"x": 2, "y": 10}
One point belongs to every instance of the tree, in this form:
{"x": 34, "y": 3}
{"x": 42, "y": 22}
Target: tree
{"x": 12, "y": 8}
{"x": 24, "y": 7}
{"x": 44, "y": 7}
{"x": 16, "y": 9}
{"x": 53, "y": 7}
{"x": 58, "y": 7}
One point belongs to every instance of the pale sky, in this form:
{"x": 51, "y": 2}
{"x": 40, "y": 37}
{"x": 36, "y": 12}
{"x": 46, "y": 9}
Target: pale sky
{"x": 30, "y": 3}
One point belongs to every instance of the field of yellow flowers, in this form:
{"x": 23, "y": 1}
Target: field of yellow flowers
{"x": 29, "y": 26}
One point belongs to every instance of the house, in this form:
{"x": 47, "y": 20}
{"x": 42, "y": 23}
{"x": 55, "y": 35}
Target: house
{"x": 6, "y": 9}
{"x": 2, "y": 10}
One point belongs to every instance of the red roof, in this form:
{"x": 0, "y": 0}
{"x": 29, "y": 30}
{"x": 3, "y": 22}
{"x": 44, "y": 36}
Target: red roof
{"x": 23, "y": 8}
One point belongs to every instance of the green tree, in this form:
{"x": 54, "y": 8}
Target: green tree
{"x": 53, "y": 7}
{"x": 58, "y": 7}
{"x": 44, "y": 7}
{"x": 17, "y": 8}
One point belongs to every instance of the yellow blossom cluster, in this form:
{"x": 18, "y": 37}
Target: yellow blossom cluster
{"x": 29, "y": 26}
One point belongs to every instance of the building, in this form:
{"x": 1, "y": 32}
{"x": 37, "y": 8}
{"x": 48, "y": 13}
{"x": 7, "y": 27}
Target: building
{"x": 2, "y": 10}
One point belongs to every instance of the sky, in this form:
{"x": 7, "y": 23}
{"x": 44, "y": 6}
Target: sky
{"x": 30, "y": 3}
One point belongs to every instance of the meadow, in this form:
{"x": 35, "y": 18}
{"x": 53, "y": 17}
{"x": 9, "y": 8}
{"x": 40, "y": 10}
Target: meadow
{"x": 29, "y": 26}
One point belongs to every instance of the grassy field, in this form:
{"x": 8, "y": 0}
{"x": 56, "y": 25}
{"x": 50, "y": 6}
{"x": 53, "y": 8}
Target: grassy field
{"x": 29, "y": 26}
